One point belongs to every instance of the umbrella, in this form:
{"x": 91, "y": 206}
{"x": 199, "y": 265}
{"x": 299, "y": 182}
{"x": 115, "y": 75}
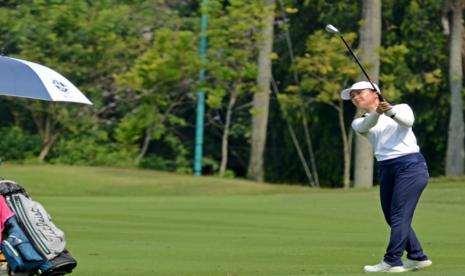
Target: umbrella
{"x": 21, "y": 78}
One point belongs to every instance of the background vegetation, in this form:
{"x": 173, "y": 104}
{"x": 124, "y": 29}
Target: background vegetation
{"x": 138, "y": 62}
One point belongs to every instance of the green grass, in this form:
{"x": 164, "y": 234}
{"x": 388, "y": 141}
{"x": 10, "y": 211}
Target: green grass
{"x": 133, "y": 222}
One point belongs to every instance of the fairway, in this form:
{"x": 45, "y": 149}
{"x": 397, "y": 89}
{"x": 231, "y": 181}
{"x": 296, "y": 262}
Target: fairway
{"x": 130, "y": 222}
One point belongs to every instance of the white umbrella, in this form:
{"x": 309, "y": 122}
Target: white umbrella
{"x": 27, "y": 79}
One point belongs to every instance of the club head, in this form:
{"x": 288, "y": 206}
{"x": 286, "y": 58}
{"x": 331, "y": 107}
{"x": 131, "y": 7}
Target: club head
{"x": 331, "y": 29}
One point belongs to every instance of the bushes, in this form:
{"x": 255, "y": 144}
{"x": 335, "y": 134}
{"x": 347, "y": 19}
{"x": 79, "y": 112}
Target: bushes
{"x": 17, "y": 144}
{"x": 93, "y": 149}
{"x": 96, "y": 148}
{"x": 168, "y": 154}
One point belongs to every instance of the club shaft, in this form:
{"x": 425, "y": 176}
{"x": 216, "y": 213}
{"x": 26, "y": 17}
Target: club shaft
{"x": 361, "y": 67}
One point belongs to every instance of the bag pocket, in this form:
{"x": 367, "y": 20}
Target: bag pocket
{"x": 20, "y": 254}
{"x": 14, "y": 260}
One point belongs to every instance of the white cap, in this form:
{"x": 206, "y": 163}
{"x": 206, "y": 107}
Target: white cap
{"x": 345, "y": 94}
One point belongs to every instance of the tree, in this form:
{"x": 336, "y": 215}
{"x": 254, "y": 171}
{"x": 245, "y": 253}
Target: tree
{"x": 96, "y": 43}
{"x": 326, "y": 71}
{"x": 89, "y": 42}
{"x": 370, "y": 42}
{"x": 311, "y": 171}
{"x": 262, "y": 95}
{"x": 455, "y": 146}
{"x": 422, "y": 76}
{"x": 231, "y": 66}
{"x": 86, "y": 42}
{"x": 299, "y": 20}
{"x": 159, "y": 81}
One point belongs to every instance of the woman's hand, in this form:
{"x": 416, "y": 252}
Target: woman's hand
{"x": 383, "y": 107}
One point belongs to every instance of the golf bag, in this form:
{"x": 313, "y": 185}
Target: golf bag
{"x": 31, "y": 241}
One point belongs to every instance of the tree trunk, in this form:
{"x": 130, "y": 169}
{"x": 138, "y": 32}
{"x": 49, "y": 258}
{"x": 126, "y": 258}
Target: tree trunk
{"x": 43, "y": 115}
{"x": 47, "y": 146}
{"x": 49, "y": 136}
{"x": 227, "y": 126}
{"x": 145, "y": 144}
{"x": 295, "y": 141}
{"x": 308, "y": 139}
{"x": 370, "y": 41}
{"x": 347, "y": 145}
{"x": 149, "y": 133}
{"x": 455, "y": 140}
{"x": 301, "y": 156}
{"x": 262, "y": 96}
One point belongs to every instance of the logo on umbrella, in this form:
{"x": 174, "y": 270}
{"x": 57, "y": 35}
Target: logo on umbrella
{"x": 61, "y": 86}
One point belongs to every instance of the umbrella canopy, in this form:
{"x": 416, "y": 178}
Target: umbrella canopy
{"x": 27, "y": 79}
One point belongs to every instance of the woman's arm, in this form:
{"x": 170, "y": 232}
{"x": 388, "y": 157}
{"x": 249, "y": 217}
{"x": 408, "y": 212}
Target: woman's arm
{"x": 362, "y": 125}
{"x": 402, "y": 114}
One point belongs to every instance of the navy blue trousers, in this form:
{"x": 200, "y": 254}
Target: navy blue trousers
{"x": 403, "y": 179}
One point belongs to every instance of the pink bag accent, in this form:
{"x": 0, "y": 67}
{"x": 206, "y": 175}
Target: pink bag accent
{"x": 5, "y": 213}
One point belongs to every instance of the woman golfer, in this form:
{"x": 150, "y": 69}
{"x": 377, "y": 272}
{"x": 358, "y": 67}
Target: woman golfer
{"x": 402, "y": 170}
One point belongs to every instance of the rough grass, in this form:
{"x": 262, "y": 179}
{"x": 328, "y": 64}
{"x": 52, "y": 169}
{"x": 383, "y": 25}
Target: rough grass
{"x": 84, "y": 181}
{"x": 132, "y": 222}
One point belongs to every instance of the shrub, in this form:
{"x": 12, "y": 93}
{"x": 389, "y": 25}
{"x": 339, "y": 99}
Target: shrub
{"x": 17, "y": 144}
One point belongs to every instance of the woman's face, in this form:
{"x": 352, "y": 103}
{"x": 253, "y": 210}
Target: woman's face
{"x": 365, "y": 99}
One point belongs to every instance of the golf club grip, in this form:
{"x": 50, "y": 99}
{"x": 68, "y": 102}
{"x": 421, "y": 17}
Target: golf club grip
{"x": 380, "y": 97}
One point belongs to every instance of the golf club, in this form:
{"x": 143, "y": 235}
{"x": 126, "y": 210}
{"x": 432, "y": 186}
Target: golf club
{"x": 331, "y": 29}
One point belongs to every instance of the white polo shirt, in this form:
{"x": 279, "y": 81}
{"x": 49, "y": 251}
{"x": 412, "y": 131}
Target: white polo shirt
{"x": 391, "y": 133}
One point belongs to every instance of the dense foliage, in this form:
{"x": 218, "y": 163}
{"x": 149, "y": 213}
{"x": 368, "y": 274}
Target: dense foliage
{"x": 138, "y": 62}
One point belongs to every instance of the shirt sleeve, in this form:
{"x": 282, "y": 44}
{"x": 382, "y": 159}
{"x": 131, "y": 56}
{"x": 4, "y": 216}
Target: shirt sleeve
{"x": 364, "y": 124}
{"x": 402, "y": 114}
